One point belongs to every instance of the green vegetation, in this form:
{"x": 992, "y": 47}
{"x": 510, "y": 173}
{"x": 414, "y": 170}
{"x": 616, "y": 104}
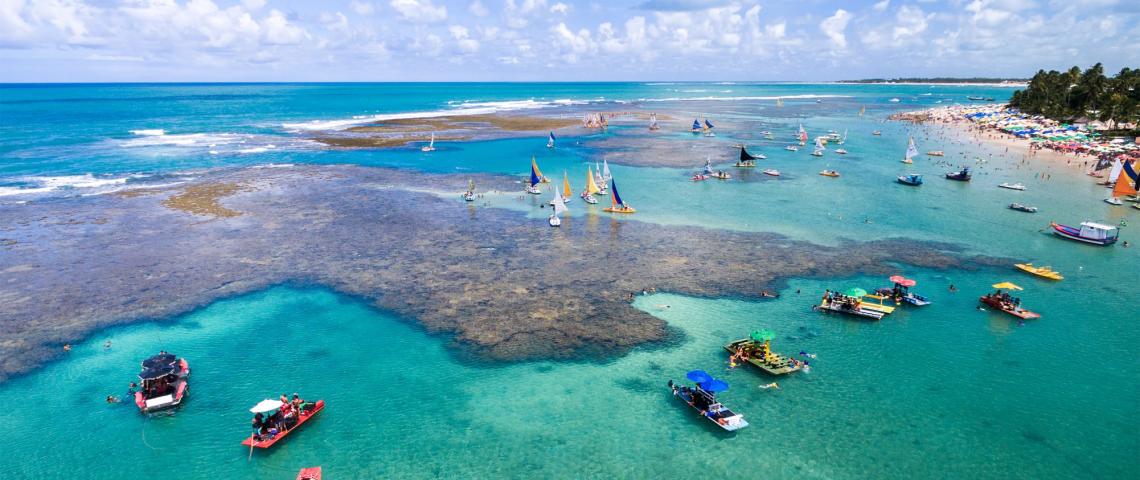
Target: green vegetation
{"x": 1072, "y": 95}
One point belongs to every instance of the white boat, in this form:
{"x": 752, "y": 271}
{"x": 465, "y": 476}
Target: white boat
{"x": 773, "y": 172}
{"x": 559, "y": 208}
{"x": 819, "y": 148}
{"x": 841, "y": 151}
{"x": 431, "y": 145}
{"x": 894, "y": 100}
{"x": 606, "y": 176}
{"x": 791, "y": 148}
{"x": 591, "y": 188}
{"x": 1113, "y": 201}
{"x": 550, "y": 140}
{"x": 469, "y": 195}
{"x": 911, "y": 151}
{"x": 802, "y": 135}
{"x": 1012, "y": 186}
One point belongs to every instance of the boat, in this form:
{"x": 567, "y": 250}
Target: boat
{"x": 773, "y": 172}
{"x": 1022, "y": 208}
{"x": 653, "y": 126}
{"x": 746, "y": 159}
{"x": 164, "y": 382}
{"x": 1045, "y": 272}
{"x": 1089, "y": 232}
{"x": 829, "y": 173}
{"x": 430, "y": 147}
{"x": 709, "y": 129}
{"x": 819, "y": 148}
{"x": 894, "y": 100}
{"x": 534, "y": 165}
{"x": 757, "y": 351}
{"x": 975, "y": 97}
{"x": 272, "y": 437}
{"x": 699, "y": 177}
{"x": 720, "y": 175}
{"x": 532, "y": 186}
{"x": 617, "y": 205}
{"x": 802, "y": 136}
{"x": 1012, "y": 186}
{"x": 846, "y": 304}
{"x": 702, "y": 398}
{"x": 696, "y": 126}
{"x": 876, "y": 133}
{"x": 877, "y": 303}
{"x": 606, "y": 175}
{"x": 600, "y": 182}
{"x": 310, "y": 473}
{"x": 1006, "y": 303}
{"x": 841, "y": 151}
{"x": 911, "y": 151}
{"x": 779, "y": 102}
{"x": 550, "y": 140}
{"x": 1114, "y": 201}
{"x": 769, "y": 136}
{"x": 559, "y": 208}
{"x": 567, "y": 194}
{"x": 912, "y": 179}
{"x": 1126, "y": 182}
{"x": 469, "y": 195}
{"x": 862, "y": 110}
{"x": 962, "y": 175}
{"x": 591, "y": 188}
{"x": 792, "y": 148}
{"x": 901, "y": 293}
{"x": 935, "y": 153}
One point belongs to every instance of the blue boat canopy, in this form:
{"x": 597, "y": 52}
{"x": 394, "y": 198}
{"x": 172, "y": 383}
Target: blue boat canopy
{"x": 699, "y": 376}
{"x": 714, "y": 385}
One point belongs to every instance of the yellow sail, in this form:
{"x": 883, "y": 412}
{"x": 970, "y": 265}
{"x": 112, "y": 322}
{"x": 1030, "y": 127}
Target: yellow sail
{"x": 1123, "y": 187}
{"x": 566, "y": 186}
{"x": 534, "y": 163}
{"x": 591, "y": 187}
{"x": 862, "y": 110}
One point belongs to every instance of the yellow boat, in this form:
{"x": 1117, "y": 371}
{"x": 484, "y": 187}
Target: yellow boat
{"x": 1039, "y": 271}
{"x": 618, "y": 206}
{"x": 880, "y": 307}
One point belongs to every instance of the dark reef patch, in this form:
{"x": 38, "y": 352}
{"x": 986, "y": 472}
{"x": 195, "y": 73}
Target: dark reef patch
{"x": 500, "y": 286}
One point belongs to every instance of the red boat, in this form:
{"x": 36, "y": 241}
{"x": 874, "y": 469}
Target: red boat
{"x": 266, "y": 441}
{"x": 311, "y": 473}
{"x": 164, "y": 383}
{"x": 1004, "y": 303}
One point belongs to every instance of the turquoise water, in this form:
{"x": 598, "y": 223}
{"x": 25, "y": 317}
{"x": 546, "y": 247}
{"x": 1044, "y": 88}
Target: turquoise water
{"x": 925, "y": 392}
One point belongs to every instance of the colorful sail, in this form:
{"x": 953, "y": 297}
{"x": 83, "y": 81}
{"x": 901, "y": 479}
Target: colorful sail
{"x": 1126, "y": 184}
{"x": 708, "y": 124}
{"x": 535, "y": 171}
{"x": 565, "y": 185}
{"x": 606, "y": 170}
{"x": 1117, "y": 167}
{"x": 803, "y": 134}
{"x": 559, "y": 203}
{"x": 911, "y": 150}
{"x": 616, "y": 199}
{"x": 534, "y": 175}
{"x": 862, "y": 110}
{"x": 696, "y": 124}
{"x": 591, "y": 187}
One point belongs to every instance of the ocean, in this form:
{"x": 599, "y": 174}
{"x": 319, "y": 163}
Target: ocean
{"x": 942, "y": 391}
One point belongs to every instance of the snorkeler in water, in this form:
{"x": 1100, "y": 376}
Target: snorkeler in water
{"x": 770, "y": 385}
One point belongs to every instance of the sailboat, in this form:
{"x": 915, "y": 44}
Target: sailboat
{"x": 532, "y": 187}
{"x": 591, "y": 188}
{"x": 703, "y": 174}
{"x": 862, "y": 110}
{"x": 601, "y": 181}
{"x": 534, "y": 169}
{"x": 746, "y": 159}
{"x": 779, "y": 102}
{"x": 719, "y": 174}
{"x": 911, "y": 151}
{"x": 1127, "y": 182}
{"x": 430, "y": 146}
{"x": 469, "y": 195}
{"x": 819, "y": 148}
{"x": 559, "y": 208}
{"x": 708, "y": 129}
{"x": 566, "y": 193}
{"x": 653, "y": 122}
{"x": 696, "y": 126}
{"x": 618, "y": 206}
{"x": 606, "y": 176}
{"x": 550, "y": 140}
{"x": 844, "y": 139}
{"x": 802, "y": 135}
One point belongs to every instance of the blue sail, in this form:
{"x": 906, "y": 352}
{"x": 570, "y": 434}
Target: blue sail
{"x": 696, "y": 124}
{"x": 552, "y": 139}
{"x": 533, "y": 176}
{"x": 617, "y": 199}
{"x": 708, "y": 123}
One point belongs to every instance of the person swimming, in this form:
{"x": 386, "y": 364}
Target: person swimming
{"x": 770, "y": 385}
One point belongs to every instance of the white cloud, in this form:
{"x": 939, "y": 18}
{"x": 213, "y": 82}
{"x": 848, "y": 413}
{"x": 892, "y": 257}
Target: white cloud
{"x": 560, "y": 8}
{"x": 420, "y": 11}
{"x": 362, "y": 8}
{"x": 835, "y": 26}
{"x": 463, "y": 40}
{"x": 253, "y": 5}
{"x": 278, "y": 30}
{"x": 881, "y": 6}
{"x": 478, "y": 9}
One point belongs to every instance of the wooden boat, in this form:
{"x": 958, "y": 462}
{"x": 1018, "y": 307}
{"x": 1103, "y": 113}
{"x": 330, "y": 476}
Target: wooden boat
{"x": 1039, "y": 271}
{"x": 311, "y": 473}
{"x": 1022, "y": 208}
{"x": 1012, "y": 186}
{"x": 617, "y": 206}
{"x": 747, "y": 160}
{"x": 819, "y": 147}
{"x": 163, "y": 383}
{"x": 1090, "y": 232}
{"x": 705, "y": 402}
{"x": 773, "y": 172}
{"x": 839, "y": 303}
{"x": 935, "y": 153}
{"x": 829, "y": 173}
{"x": 1114, "y": 201}
{"x": 760, "y": 355}
{"x": 912, "y": 179}
{"x": 696, "y": 126}
{"x": 538, "y": 173}
{"x": 591, "y": 188}
{"x": 535, "y": 179}
{"x": 559, "y": 208}
{"x": 1004, "y": 303}
{"x": 962, "y": 175}
{"x": 869, "y": 303}
{"x": 301, "y": 420}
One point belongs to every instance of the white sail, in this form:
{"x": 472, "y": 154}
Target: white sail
{"x": 911, "y": 150}
{"x": 559, "y": 203}
{"x": 1113, "y": 174}
{"x": 844, "y": 139}
{"x": 708, "y": 165}
{"x": 606, "y": 171}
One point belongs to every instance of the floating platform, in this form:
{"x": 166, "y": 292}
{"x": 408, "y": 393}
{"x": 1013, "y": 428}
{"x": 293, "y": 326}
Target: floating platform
{"x": 775, "y": 364}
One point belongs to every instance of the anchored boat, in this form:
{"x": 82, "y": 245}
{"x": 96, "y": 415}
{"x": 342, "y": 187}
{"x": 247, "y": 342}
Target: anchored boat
{"x": 702, "y": 398}
{"x": 268, "y": 436}
{"x": 163, "y": 383}
{"x": 746, "y": 159}
{"x": 559, "y": 207}
{"x": 846, "y": 304}
{"x": 1012, "y": 186}
{"x": 913, "y": 179}
{"x": 535, "y": 179}
{"x": 1089, "y": 232}
{"x": 591, "y": 188}
{"x": 1006, "y": 303}
{"x": 900, "y": 292}
{"x": 962, "y": 175}
{"x": 311, "y": 473}
{"x": 1022, "y": 208}
{"x": 469, "y": 195}
{"x": 911, "y": 152}
{"x": 757, "y": 351}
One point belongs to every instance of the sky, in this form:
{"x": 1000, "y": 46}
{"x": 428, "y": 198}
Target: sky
{"x": 557, "y": 40}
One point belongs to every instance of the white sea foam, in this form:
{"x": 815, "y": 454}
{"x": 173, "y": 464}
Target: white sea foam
{"x": 458, "y": 109}
{"x": 736, "y": 99}
{"x": 48, "y": 184}
{"x": 153, "y": 132}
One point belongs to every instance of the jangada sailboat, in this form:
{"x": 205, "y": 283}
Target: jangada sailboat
{"x": 532, "y": 187}
{"x": 802, "y": 136}
{"x": 653, "y": 122}
{"x": 550, "y": 140}
{"x": 747, "y": 159}
{"x": 911, "y": 151}
{"x": 618, "y": 206}
{"x": 559, "y": 208}
{"x": 534, "y": 168}
{"x": 709, "y": 129}
{"x": 602, "y": 183}
{"x": 566, "y": 193}
{"x": 591, "y": 188}
{"x": 430, "y": 147}
{"x": 1127, "y": 182}
{"x": 819, "y": 148}
{"x": 696, "y": 126}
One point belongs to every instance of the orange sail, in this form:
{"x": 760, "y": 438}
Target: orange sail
{"x": 1125, "y": 183}
{"x": 566, "y": 186}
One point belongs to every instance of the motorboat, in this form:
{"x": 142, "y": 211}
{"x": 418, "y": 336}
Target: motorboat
{"x": 829, "y": 173}
{"x": 1012, "y": 186}
{"x": 269, "y": 435}
{"x": 1022, "y": 208}
{"x": 850, "y": 305}
{"x": 876, "y": 133}
{"x": 841, "y": 151}
{"x": 913, "y": 179}
{"x": 773, "y": 172}
{"x": 702, "y": 398}
{"x": 1008, "y": 304}
{"x": 1089, "y": 232}
{"x": 699, "y": 177}
{"x": 163, "y": 383}
{"x": 792, "y": 148}
{"x": 962, "y": 175}
{"x": 901, "y": 293}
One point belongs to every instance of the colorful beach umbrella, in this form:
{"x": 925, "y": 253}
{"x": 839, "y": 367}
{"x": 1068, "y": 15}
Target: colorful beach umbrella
{"x": 763, "y": 335}
{"x": 1007, "y": 286}
{"x": 897, "y": 278}
{"x": 699, "y": 376}
{"x": 855, "y": 292}
{"x": 266, "y": 406}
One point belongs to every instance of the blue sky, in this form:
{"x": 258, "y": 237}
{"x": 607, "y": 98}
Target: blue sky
{"x": 556, "y": 40}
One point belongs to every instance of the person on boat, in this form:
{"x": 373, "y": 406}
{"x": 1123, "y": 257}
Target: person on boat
{"x": 298, "y": 404}
{"x": 258, "y": 425}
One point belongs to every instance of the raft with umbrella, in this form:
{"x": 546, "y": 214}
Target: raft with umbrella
{"x": 850, "y": 303}
{"x": 756, "y": 350}
{"x": 1007, "y": 303}
{"x": 900, "y": 292}
{"x": 269, "y": 406}
{"x": 702, "y": 398}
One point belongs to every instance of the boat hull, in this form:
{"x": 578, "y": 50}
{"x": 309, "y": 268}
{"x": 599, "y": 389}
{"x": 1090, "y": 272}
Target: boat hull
{"x": 1074, "y": 234}
{"x": 619, "y": 210}
{"x": 724, "y": 418}
{"x": 269, "y": 442}
{"x": 1019, "y": 313}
